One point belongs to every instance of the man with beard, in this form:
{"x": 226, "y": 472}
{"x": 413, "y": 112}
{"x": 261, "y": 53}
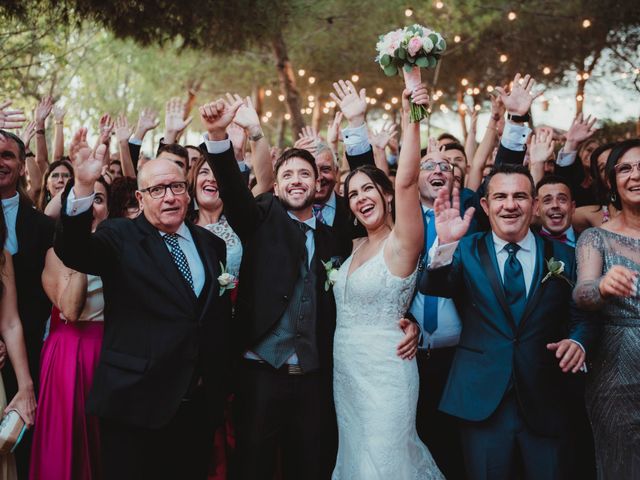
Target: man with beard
{"x": 555, "y": 209}
{"x": 285, "y": 315}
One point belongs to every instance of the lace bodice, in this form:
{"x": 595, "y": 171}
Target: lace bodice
{"x": 597, "y": 251}
{"x": 372, "y": 295}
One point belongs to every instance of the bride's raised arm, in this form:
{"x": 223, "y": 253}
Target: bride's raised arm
{"x": 407, "y": 239}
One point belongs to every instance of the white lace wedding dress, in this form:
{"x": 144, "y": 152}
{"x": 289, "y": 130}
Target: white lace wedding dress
{"x": 375, "y": 391}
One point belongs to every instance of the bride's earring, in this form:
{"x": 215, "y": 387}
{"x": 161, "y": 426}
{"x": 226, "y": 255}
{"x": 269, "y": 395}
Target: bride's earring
{"x": 355, "y": 222}
{"x": 614, "y": 197}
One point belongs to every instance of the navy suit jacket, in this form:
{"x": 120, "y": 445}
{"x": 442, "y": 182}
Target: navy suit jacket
{"x": 494, "y": 352}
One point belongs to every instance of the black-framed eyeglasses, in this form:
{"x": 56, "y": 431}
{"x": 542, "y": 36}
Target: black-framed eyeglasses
{"x": 625, "y": 169}
{"x": 430, "y": 166}
{"x": 159, "y": 191}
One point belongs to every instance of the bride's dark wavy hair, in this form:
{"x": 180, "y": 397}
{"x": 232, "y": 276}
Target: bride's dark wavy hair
{"x": 380, "y": 181}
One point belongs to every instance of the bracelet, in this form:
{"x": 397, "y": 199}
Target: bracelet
{"x": 519, "y": 118}
{"x": 40, "y": 131}
{"x": 256, "y": 137}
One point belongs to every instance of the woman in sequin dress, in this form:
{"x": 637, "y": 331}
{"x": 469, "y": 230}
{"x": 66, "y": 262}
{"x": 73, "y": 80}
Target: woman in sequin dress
{"x": 608, "y": 267}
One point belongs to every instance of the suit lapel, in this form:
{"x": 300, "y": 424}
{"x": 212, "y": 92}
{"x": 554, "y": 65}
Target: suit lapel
{"x": 489, "y": 263}
{"x": 544, "y": 250}
{"x": 154, "y": 245}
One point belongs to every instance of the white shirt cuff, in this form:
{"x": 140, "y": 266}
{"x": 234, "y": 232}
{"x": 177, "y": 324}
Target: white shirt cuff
{"x": 515, "y": 136}
{"x": 356, "y": 140}
{"x": 76, "y": 206}
{"x": 583, "y": 367}
{"x": 218, "y": 146}
{"x": 565, "y": 158}
{"x": 441, "y": 255}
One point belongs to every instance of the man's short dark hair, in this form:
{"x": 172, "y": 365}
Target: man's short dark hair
{"x": 448, "y": 136}
{"x": 22, "y": 155}
{"x": 176, "y": 149}
{"x": 295, "y": 153}
{"x": 455, "y": 146}
{"x": 553, "y": 180}
{"x": 509, "y": 169}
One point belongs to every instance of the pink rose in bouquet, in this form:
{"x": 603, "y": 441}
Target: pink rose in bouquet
{"x": 415, "y": 44}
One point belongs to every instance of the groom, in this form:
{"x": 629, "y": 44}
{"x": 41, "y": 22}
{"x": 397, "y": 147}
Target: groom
{"x": 520, "y": 332}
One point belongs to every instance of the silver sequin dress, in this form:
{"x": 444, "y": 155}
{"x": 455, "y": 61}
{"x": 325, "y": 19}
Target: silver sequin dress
{"x": 613, "y": 384}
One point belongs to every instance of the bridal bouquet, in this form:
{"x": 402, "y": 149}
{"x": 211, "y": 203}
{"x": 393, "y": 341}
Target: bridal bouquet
{"x": 409, "y": 49}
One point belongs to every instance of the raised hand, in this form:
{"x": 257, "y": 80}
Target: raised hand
{"x": 619, "y": 281}
{"x": 450, "y": 227}
{"x": 518, "y": 101}
{"x": 174, "y": 121}
{"x": 419, "y": 96}
{"x": 10, "y": 119}
{"x": 246, "y": 116}
{"x": 580, "y": 130}
{"x": 352, "y": 103}
{"x": 42, "y": 111}
{"x": 333, "y": 130}
{"x": 216, "y": 117}
{"x": 58, "y": 113}
{"x": 238, "y": 137}
{"x": 122, "y": 129}
{"x": 88, "y": 169}
{"x": 28, "y": 133}
{"x": 497, "y": 108}
{"x": 106, "y": 127}
{"x": 78, "y": 142}
{"x": 542, "y": 146}
{"x": 147, "y": 120}
{"x": 380, "y": 139}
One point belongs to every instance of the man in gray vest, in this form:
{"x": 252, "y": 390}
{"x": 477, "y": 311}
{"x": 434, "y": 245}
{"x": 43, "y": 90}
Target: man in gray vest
{"x": 285, "y": 312}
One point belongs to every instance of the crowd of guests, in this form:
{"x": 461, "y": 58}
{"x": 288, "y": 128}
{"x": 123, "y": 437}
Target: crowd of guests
{"x": 172, "y": 315}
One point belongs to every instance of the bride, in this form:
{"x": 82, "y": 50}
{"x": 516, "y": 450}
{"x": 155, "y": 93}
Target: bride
{"x": 376, "y": 391}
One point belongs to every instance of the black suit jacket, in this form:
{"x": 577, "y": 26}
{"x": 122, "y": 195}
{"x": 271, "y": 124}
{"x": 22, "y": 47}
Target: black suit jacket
{"x": 34, "y": 232}
{"x": 273, "y": 246}
{"x": 158, "y": 336}
{"x": 494, "y": 351}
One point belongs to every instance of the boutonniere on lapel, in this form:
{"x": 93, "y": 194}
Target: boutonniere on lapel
{"x": 226, "y": 280}
{"x": 555, "y": 268}
{"x": 331, "y": 267}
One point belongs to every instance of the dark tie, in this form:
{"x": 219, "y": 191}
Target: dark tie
{"x": 179, "y": 257}
{"x": 317, "y": 212}
{"x": 430, "y": 314}
{"x": 305, "y": 228}
{"x": 514, "y": 286}
{"x": 561, "y": 237}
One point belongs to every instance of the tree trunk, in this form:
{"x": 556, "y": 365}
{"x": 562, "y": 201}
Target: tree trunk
{"x": 580, "y": 96}
{"x": 282, "y": 130}
{"x": 316, "y": 116}
{"x": 258, "y": 99}
{"x": 288, "y": 83}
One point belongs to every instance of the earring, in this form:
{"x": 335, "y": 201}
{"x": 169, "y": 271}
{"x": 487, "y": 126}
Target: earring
{"x": 614, "y": 197}
{"x": 355, "y": 222}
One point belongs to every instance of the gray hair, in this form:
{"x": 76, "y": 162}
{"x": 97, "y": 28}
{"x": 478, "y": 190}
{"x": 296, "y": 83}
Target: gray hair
{"x": 323, "y": 147}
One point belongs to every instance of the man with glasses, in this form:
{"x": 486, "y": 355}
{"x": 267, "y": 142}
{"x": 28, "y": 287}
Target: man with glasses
{"x": 441, "y": 330}
{"x": 159, "y": 385}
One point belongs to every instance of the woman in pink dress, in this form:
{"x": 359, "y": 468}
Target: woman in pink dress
{"x": 66, "y": 442}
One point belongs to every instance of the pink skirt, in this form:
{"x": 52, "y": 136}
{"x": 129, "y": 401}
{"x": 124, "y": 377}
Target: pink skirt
{"x": 66, "y": 443}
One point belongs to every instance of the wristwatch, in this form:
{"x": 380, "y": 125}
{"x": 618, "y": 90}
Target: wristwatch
{"x": 519, "y": 118}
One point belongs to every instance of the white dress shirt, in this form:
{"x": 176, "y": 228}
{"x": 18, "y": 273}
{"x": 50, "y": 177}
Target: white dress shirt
{"x": 447, "y": 334}
{"x": 76, "y": 206}
{"x": 10, "y": 209}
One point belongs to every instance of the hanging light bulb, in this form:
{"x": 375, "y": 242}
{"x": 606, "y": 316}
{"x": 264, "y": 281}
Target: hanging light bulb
{"x": 546, "y": 70}
{"x": 268, "y": 92}
{"x": 301, "y": 72}
{"x": 457, "y": 39}
{"x": 379, "y": 91}
{"x": 312, "y": 80}
{"x": 512, "y": 16}
{"x": 281, "y": 97}
{"x": 287, "y": 116}
{"x": 586, "y": 23}
{"x": 503, "y": 58}
{"x": 408, "y": 12}
{"x": 464, "y": 82}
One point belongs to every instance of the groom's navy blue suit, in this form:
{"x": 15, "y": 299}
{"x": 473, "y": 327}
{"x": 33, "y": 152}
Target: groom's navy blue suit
{"x": 499, "y": 358}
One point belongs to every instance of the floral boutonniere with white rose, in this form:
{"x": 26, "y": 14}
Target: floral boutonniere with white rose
{"x": 332, "y": 267}
{"x": 226, "y": 280}
{"x": 555, "y": 268}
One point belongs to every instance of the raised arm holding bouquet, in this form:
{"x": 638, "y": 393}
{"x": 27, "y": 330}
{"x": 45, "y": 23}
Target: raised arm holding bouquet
{"x": 407, "y": 50}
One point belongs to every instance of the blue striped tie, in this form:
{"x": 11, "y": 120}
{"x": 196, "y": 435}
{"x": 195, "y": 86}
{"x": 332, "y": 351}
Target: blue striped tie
{"x": 430, "y": 314}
